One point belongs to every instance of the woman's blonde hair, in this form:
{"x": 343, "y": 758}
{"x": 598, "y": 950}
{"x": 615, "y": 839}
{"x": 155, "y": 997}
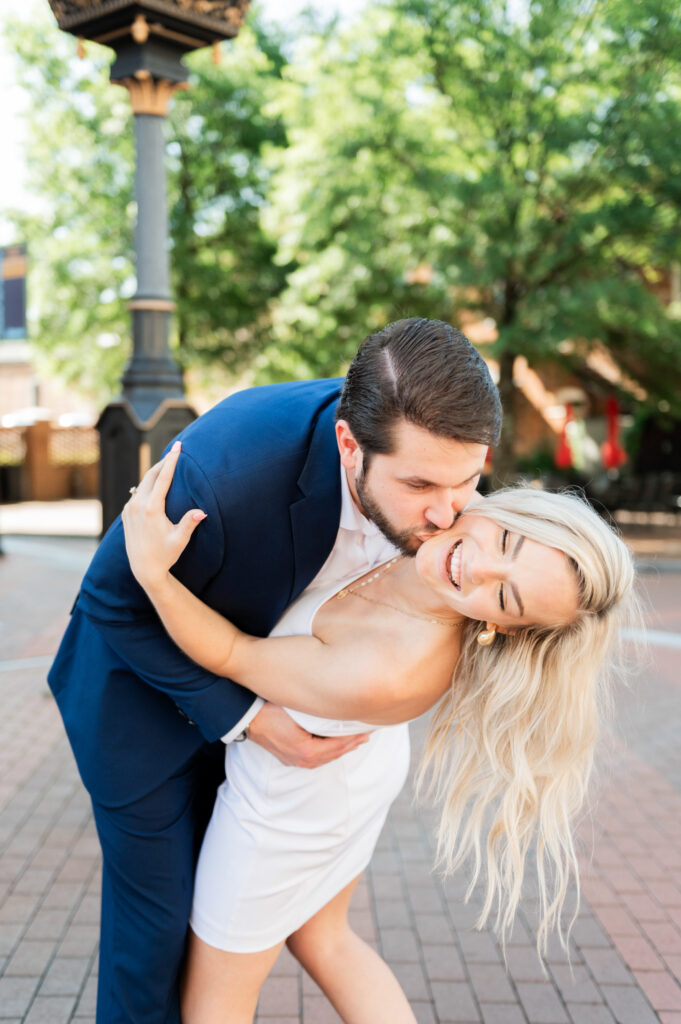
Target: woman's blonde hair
{"x": 511, "y": 747}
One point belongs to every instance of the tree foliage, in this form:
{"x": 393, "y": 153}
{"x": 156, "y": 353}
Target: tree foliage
{"x": 511, "y": 162}
{"x": 224, "y": 274}
{"x": 79, "y": 157}
{"x": 81, "y": 160}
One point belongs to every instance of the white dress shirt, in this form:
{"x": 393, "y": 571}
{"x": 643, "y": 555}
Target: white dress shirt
{"x": 359, "y": 547}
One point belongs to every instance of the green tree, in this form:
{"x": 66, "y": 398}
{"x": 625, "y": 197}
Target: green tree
{"x": 222, "y": 261}
{"x": 511, "y": 161}
{"x": 81, "y": 160}
{"x": 79, "y": 157}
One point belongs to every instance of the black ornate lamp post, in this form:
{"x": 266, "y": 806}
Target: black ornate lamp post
{"x": 149, "y": 38}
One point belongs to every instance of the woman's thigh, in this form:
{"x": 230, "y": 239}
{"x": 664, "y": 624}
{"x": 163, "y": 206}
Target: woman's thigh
{"x": 221, "y": 987}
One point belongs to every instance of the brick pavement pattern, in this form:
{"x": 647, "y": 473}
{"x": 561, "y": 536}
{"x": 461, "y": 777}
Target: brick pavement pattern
{"x": 626, "y": 943}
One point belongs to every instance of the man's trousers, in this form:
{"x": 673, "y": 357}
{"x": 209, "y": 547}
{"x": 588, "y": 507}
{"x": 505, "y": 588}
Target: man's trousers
{"x": 149, "y": 855}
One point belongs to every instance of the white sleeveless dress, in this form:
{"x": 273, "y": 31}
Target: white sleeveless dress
{"x": 284, "y": 841}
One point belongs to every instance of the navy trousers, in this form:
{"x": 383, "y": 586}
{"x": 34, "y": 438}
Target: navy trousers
{"x": 149, "y": 855}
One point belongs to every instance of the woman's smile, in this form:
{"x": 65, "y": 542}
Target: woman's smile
{"x": 453, "y": 565}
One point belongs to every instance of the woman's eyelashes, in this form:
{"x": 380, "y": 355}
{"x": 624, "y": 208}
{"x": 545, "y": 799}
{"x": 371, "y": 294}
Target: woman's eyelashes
{"x": 504, "y": 546}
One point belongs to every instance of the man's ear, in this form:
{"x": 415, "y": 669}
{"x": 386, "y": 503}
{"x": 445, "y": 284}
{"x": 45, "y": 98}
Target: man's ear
{"x": 349, "y": 449}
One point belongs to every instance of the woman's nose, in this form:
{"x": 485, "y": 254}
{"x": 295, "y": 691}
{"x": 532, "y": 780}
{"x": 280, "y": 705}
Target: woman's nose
{"x": 483, "y": 569}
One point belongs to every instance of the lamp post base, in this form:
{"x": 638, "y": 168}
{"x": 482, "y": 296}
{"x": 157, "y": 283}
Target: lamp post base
{"x": 130, "y": 445}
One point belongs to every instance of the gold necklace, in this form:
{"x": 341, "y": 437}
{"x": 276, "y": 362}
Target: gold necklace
{"x": 354, "y": 589}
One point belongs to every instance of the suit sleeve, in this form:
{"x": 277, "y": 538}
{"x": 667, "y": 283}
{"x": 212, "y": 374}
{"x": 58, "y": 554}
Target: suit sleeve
{"x": 119, "y": 609}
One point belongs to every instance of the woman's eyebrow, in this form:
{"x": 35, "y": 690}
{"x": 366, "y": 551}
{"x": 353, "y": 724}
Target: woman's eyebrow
{"x": 516, "y": 549}
{"x": 516, "y": 595}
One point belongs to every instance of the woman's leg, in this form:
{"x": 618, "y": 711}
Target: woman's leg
{"x": 354, "y": 978}
{"x": 222, "y": 988}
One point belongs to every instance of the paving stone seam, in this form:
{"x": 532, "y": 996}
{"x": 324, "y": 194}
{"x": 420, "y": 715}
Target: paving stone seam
{"x": 426, "y": 834}
{"x": 74, "y": 910}
{"x": 39, "y": 795}
{"x": 587, "y": 967}
{"x": 439, "y": 881}
{"x": 88, "y": 973}
{"x": 634, "y": 765}
{"x": 39, "y": 766}
{"x": 502, "y": 957}
{"x": 394, "y": 847}
{"x": 549, "y": 975}
{"x": 301, "y": 996}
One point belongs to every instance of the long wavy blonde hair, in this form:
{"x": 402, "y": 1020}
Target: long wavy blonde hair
{"x": 511, "y": 747}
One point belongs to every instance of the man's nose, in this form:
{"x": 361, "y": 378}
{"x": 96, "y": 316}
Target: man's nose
{"x": 442, "y": 512}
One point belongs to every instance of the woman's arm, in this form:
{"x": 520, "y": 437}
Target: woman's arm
{"x": 359, "y": 681}
{"x": 302, "y": 672}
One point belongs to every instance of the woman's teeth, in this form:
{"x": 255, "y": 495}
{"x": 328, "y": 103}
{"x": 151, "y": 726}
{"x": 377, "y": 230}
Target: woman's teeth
{"x": 455, "y": 565}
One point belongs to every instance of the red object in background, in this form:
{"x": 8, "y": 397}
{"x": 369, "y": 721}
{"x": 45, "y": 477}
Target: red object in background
{"x": 613, "y": 454}
{"x": 563, "y": 456}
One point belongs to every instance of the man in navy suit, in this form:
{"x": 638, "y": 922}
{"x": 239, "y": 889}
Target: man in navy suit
{"x": 405, "y": 438}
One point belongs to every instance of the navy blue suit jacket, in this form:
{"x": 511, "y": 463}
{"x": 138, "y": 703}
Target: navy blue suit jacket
{"x": 264, "y": 465}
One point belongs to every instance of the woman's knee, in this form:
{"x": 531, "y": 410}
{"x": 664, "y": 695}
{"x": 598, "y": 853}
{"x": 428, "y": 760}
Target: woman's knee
{"x": 327, "y": 933}
{"x": 318, "y": 942}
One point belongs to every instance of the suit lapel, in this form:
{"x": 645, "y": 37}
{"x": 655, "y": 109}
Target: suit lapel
{"x": 316, "y": 515}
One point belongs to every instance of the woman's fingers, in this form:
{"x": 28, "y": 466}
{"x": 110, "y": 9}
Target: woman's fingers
{"x": 187, "y": 524}
{"x": 156, "y": 482}
{"x": 146, "y": 484}
{"x": 147, "y": 505}
{"x": 164, "y": 477}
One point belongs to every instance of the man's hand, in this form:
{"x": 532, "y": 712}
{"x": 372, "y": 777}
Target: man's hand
{"x": 275, "y": 730}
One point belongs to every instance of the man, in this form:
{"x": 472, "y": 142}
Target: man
{"x": 291, "y": 497}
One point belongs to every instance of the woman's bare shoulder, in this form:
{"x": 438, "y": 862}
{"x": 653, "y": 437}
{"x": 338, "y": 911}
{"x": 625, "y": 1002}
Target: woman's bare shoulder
{"x": 406, "y": 663}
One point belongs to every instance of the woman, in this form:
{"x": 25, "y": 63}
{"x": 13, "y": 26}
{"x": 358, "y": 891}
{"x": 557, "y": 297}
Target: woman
{"x": 514, "y": 734}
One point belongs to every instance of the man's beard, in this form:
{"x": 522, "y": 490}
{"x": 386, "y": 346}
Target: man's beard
{"x": 405, "y": 540}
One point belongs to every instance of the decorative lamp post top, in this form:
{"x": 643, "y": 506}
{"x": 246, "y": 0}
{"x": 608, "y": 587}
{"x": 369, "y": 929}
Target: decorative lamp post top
{"x": 189, "y": 23}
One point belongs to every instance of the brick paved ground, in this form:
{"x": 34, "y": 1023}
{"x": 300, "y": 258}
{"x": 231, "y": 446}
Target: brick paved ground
{"x": 626, "y": 947}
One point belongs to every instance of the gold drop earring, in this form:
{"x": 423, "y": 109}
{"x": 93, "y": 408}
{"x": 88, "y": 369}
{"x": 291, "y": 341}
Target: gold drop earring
{"x": 486, "y": 636}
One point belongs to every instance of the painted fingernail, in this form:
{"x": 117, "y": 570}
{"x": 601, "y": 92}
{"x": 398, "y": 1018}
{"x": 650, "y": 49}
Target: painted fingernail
{"x": 176, "y": 447}
{"x": 198, "y": 516}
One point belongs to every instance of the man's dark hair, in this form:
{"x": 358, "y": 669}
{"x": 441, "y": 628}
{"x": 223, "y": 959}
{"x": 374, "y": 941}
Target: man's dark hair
{"x": 423, "y": 371}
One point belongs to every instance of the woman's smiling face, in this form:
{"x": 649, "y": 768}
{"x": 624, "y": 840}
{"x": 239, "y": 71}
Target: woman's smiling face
{"x": 487, "y": 572}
